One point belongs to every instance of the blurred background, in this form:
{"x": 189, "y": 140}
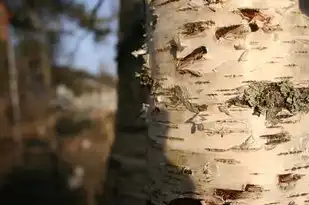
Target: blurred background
{"x": 57, "y": 98}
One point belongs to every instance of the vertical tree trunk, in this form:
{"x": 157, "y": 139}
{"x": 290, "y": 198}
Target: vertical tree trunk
{"x": 233, "y": 101}
{"x": 126, "y": 175}
{"x": 14, "y": 96}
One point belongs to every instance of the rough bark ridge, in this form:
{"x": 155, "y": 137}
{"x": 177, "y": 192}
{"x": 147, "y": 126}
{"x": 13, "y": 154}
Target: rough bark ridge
{"x": 231, "y": 102}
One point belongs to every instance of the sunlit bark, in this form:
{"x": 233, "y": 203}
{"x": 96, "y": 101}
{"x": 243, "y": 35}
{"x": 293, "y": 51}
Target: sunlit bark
{"x": 233, "y": 114}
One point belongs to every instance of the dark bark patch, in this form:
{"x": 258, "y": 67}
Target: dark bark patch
{"x": 228, "y": 194}
{"x": 254, "y": 27}
{"x": 196, "y": 54}
{"x": 222, "y": 31}
{"x": 247, "y": 192}
{"x": 289, "y": 177}
{"x": 270, "y": 98}
{"x": 193, "y": 28}
{"x": 275, "y": 139}
{"x": 253, "y": 14}
{"x": 186, "y": 171}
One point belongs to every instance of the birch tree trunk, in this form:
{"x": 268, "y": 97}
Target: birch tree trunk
{"x": 230, "y": 102}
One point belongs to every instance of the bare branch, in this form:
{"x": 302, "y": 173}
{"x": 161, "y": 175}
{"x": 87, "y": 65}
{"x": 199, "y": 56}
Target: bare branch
{"x": 81, "y": 38}
{"x": 95, "y": 10}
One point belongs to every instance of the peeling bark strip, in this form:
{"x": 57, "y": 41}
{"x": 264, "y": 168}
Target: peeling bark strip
{"x": 253, "y": 14}
{"x": 221, "y": 32}
{"x": 236, "y": 31}
{"x": 196, "y": 54}
{"x": 248, "y": 190}
{"x": 227, "y": 194}
{"x": 193, "y": 28}
{"x": 288, "y": 178}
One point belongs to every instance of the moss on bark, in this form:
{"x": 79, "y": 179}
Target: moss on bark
{"x": 270, "y": 98}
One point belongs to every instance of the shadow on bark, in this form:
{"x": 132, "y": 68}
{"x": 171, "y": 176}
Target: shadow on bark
{"x": 304, "y": 6}
{"x": 128, "y": 175}
{"x": 167, "y": 172}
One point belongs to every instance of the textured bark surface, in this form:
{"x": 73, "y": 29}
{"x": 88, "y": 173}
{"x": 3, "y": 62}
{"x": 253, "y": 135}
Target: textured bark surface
{"x": 233, "y": 101}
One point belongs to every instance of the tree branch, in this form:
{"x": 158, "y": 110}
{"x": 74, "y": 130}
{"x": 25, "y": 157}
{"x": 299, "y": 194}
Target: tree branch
{"x": 93, "y": 17}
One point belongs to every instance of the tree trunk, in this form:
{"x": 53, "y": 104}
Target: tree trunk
{"x": 127, "y": 174}
{"x": 230, "y": 102}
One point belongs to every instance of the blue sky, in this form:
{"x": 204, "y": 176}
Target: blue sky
{"x": 91, "y": 56}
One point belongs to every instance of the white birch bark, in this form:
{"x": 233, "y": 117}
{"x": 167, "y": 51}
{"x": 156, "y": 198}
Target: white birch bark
{"x": 250, "y": 146}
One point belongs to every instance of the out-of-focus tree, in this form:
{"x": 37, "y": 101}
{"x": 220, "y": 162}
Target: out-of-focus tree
{"x": 38, "y": 26}
{"x": 37, "y": 16}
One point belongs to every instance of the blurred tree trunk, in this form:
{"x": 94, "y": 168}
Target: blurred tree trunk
{"x": 32, "y": 63}
{"x": 126, "y": 175}
{"x": 236, "y": 94}
{"x": 34, "y": 79}
{"x": 5, "y": 124}
{"x": 25, "y": 90}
